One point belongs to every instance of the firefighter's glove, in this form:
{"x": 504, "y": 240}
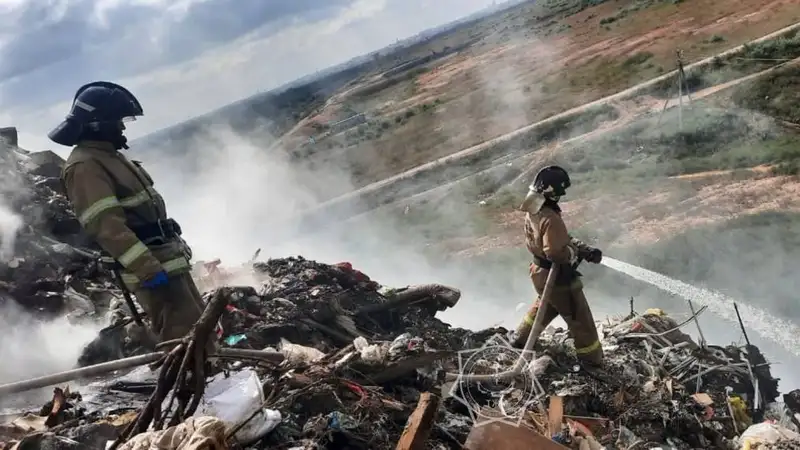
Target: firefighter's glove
{"x": 160, "y": 279}
{"x": 594, "y": 255}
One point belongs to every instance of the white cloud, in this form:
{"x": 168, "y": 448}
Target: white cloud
{"x": 360, "y": 10}
{"x": 184, "y": 58}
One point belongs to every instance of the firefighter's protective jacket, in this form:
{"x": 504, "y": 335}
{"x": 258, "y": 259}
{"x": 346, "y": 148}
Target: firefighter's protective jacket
{"x": 547, "y": 238}
{"x": 111, "y": 197}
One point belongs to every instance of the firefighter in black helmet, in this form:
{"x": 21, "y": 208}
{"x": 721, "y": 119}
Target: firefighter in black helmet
{"x": 116, "y": 202}
{"x": 549, "y": 242}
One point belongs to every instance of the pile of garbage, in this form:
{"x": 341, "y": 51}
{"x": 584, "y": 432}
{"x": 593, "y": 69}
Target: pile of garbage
{"x": 357, "y": 358}
{"x": 40, "y": 271}
{"x": 660, "y": 387}
{"x": 328, "y": 358}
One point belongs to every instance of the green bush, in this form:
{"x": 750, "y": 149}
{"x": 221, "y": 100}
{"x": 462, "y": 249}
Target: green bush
{"x": 608, "y": 20}
{"x": 754, "y": 58}
{"x": 776, "y": 94}
{"x": 711, "y": 139}
{"x": 787, "y": 168}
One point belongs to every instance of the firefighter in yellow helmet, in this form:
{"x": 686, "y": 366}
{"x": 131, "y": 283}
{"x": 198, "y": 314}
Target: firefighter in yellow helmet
{"x": 116, "y": 203}
{"x": 549, "y": 242}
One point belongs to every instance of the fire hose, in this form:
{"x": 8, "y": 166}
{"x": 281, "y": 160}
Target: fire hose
{"x": 125, "y": 363}
{"x": 536, "y": 330}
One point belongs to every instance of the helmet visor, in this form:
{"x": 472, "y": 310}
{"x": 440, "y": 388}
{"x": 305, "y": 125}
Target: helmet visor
{"x": 533, "y": 202}
{"x": 121, "y": 122}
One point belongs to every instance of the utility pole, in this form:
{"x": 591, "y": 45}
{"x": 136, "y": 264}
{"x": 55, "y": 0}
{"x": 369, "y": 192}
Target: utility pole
{"x": 683, "y": 86}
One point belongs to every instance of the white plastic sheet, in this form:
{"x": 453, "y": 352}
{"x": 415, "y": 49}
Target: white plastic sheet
{"x": 373, "y": 353}
{"x": 767, "y": 433}
{"x": 299, "y": 354}
{"x": 236, "y": 398}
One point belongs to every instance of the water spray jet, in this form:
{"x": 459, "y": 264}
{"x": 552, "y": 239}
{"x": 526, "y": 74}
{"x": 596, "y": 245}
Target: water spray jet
{"x": 767, "y": 325}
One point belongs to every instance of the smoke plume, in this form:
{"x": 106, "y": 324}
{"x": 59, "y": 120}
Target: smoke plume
{"x": 10, "y": 224}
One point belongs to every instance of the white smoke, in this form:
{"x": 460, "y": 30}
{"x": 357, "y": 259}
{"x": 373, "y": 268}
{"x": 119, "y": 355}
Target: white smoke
{"x": 10, "y": 223}
{"x": 32, "y": 348}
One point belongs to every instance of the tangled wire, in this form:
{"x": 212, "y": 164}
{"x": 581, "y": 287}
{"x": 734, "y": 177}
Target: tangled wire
{"x": 174, "y": 374}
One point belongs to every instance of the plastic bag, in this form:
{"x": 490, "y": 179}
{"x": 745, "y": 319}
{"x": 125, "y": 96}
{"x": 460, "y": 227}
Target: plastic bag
{"x": 79, "y": 304}
{"x": 298, "y": 354}
{"x": 235, "y": 339}
{"x": 404, "y": 344}
{"x": 141, "y": 374}
{"x": 340, "y": 421}
{"x": 236, "y": 398}
{"x": 399, "y": 344}
{"x": 371, "y": 353}
{"x": 627, "y": 438}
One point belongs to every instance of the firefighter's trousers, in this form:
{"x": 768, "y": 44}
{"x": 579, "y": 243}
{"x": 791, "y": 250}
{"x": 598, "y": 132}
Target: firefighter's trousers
{"x": 570, "y": 303}
{"x": 173, "y": 309}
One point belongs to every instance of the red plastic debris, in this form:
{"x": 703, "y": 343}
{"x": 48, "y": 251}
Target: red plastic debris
{"x": 347, "y": 267}
{"x": 357, "y": 389}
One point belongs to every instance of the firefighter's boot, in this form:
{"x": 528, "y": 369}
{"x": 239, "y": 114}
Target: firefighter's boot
{"x": 524, "y": 329}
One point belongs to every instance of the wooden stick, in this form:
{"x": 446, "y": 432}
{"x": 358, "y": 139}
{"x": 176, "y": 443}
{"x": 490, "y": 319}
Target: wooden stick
{"x": 697, "y": 322}
{"x": 555, "y": 414}
{"x": 420, "y": 423}
{"x": 741, "y": 324}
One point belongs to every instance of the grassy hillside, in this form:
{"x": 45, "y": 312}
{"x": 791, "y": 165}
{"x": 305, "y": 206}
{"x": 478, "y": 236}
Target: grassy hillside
{"x": 647, "y": 178}
{"x": 644, "y": 153}
{"x": 379, "y": 162}
{"x": 777, "y": 94}
{"x": 542, "y": 59}
{"x": 490, "y": 76}
{"x": 755, "y": 58}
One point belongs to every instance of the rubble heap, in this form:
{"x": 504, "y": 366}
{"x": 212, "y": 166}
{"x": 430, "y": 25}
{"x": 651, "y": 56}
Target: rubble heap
{"x": 42, "y": 273}
{"x": 359, "y": 356}
{"x": 658, "y": 386}
{"x": 299, "y": 297}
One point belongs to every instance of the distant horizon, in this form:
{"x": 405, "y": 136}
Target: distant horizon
{"x": 320, "y": 73}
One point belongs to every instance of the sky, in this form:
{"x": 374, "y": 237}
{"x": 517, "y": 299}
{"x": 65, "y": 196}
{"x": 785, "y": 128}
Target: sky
{"x": 183, "y": 58}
